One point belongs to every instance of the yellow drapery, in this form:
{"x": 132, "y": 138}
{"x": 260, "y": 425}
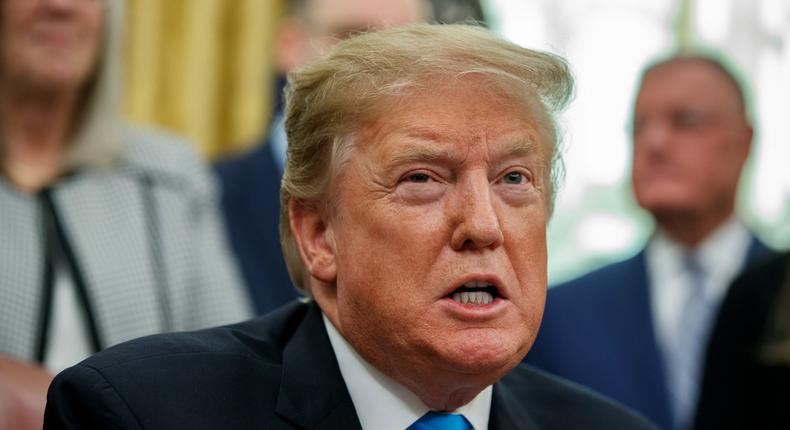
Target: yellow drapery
{"x": 201, "y": 68}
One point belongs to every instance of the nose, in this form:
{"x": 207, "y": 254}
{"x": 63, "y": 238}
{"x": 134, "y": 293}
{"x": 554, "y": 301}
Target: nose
{"x": 478, "y": 224}
{"x": 653, "y": 136}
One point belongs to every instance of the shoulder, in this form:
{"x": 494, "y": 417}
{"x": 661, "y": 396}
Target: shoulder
{"x": 756, "y": 288}
{"x": 769, "y": 269}
{"x": 180, "y": 380}
{"x": 602, "y": 283}
{"x": 261, "y": 339}
{"x": 197, "y": 379}
{"x": 165, "y": 159}
{"x": 556, "y": 403}
{"x": 248, "y": 166}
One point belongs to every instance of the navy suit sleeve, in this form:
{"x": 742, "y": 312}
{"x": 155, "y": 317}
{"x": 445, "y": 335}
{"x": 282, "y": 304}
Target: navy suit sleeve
{"x": 81, "y": 398}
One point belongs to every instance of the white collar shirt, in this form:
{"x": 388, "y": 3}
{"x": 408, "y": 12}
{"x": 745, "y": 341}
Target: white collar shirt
{"x": 384, "y": 404}
{"x": 721, "y": 255}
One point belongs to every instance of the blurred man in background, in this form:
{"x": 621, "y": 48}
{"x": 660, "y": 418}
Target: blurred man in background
{"x": 636, "y": 330}
{"x": 251, "y": 182}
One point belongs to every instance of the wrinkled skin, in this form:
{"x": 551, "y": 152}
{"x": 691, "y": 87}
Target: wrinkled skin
{"x": 438, "y": 192}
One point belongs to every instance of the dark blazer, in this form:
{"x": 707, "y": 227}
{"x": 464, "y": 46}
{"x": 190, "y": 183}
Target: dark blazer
{"x": 598, "y": 331}
{"x": 275, "y": 372}
{"x": 742, "y": 389}
{"x": 251, "y": 203}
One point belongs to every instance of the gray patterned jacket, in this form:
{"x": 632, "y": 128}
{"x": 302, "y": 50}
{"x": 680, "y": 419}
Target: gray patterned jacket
{"x": 145, "y": 236}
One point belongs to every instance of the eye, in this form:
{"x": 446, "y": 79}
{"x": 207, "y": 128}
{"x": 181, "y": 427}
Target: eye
{"x": 688, "y": 119}
{"x": 514, "y": 177}
{"x": 418, "y": 178}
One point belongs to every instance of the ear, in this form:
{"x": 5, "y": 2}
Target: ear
{"x": 746, "y": 136}
{"x": 314, "y": 240}
{"x": 290, "y": 44}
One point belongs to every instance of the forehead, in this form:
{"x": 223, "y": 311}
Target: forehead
{"x": 686, "y": 83}
{"x": 338, "y": 15}
{"x": 463, "y": 114}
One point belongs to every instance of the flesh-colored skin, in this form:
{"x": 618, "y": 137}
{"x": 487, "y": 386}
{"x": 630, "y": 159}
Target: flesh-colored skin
{"x": 691, "y": 140}
{"x": 303, "y": 39}
{"x": 23, "y": 389}
{"x": 438, "y": 192}
{"x": 50, "y": 44}
{"x": 49, "y": 53}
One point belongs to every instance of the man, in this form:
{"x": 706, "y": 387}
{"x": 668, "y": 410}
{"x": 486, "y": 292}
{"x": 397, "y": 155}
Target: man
{"x": 251, "y": 182}
{"x": 415, "y": 203}
{"x": 636, "y": 330}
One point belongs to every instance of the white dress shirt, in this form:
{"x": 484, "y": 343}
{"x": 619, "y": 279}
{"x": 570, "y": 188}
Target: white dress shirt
{"x": 68, "y": 341}
{"x": 384, "y": 404}
{"x": 722, "y": 256}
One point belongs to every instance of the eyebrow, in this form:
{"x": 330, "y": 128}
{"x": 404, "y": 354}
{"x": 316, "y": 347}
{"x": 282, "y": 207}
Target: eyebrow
{"x": 519, "y": 147}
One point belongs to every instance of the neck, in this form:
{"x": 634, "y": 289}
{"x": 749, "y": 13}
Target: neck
{"x": 691, "y": 230}
{"x": 443, "y": 391}
{"x": 35, "y": 127}
{"x": 449, "y": 400}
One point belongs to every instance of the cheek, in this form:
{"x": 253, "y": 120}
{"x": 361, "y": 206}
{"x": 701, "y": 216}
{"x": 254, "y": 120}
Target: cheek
{"x": 525, "y": 244}
{"x": 525, "y": 234}
{"x": 91, "y": 35}
{"x": 386, "y": 252}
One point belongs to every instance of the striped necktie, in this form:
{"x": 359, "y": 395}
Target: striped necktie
{"x": 440, "y": 421}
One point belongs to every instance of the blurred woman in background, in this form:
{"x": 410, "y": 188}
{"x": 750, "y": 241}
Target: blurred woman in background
{"x": 107, "y": 232}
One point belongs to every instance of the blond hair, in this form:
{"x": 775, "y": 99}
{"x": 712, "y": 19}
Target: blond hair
{"x": 327, "y": 102}
{"x": 96, "y": 139}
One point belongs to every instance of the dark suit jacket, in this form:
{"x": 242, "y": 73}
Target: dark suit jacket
{"x": 251, "y": 203}
{"x": 741, "y": 389}
{"x": 598, "y": 331}
{"x": 275, "y": 372}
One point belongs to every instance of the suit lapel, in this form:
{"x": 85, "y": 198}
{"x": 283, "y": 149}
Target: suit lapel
{"x": 312, "y": 393}
{"x": 646, "y": 359}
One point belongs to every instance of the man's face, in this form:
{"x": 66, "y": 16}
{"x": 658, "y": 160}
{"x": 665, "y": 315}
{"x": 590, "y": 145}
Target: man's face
{"x": 439, "y": 236}
{"x": 690, "y": 140}
{"x": 50, "y": 43}
{"x": 327, "y": 22}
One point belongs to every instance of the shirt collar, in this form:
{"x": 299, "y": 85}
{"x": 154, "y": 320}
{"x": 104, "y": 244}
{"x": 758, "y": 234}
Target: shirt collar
{"x": 721, "y": 255}
{"x": 383, "y": 403}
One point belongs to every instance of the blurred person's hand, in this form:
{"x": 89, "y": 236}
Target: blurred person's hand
{"x": 23, "y": 394}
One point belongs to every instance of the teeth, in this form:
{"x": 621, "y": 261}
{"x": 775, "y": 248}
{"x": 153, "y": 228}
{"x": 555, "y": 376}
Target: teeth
{"x": 473, "y": 297}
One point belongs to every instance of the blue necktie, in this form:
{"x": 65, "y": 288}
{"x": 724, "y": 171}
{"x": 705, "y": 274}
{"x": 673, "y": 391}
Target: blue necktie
{"x": 439, "y": 421}
{"x": 686, "y": 355}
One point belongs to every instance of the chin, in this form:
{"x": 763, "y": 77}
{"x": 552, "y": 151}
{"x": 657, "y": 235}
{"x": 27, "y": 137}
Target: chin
{"x": 672, "y": 200}
{"x": 485, "y": 354}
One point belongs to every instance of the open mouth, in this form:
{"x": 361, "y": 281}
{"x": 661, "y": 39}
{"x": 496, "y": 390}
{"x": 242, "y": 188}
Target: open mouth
{"x": 475, "y": 293}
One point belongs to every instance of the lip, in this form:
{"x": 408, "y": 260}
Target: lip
{"x": 57, "y": 38}
{"x": 488, "y": 278}
{"x": 471, "y": 313}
